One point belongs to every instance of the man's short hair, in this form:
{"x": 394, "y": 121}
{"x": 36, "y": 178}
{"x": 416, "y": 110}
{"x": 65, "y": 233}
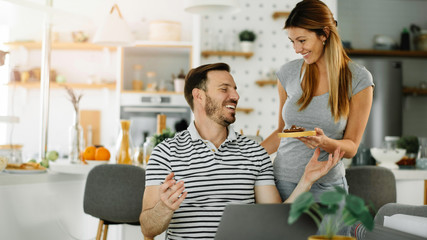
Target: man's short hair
{"x": 197, "y": 78}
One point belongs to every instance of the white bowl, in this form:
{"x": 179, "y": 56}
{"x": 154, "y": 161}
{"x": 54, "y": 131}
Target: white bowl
{"x": 96, "y": 162}
{"x": 388, "y": 157}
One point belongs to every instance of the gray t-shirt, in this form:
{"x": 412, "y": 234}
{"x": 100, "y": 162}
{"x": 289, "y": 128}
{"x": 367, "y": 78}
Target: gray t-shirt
{"x": 293, "y": 155}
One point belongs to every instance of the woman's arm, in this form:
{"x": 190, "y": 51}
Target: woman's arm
{"x": 360, "y": 107}
{"x": 271, "y": 143}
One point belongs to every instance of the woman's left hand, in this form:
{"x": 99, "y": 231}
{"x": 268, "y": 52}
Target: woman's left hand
{"x": 314, "y": 141}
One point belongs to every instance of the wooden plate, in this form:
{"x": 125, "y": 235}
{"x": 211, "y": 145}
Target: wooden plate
{"x": 297, "y": 134}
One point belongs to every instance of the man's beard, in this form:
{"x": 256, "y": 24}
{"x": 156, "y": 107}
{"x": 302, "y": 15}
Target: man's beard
{"x": 213, "y": 111}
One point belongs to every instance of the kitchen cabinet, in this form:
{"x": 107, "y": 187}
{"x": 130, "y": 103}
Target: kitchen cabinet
{"x": 162, "y": 58}
{"x": 79, "y": 63}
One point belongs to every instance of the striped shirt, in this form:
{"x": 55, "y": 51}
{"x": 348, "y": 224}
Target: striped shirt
{"x": 212, "y": 177}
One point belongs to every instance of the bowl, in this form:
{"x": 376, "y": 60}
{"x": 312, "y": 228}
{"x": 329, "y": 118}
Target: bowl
{"x": 388, "y": 157}
{"x": 97, "y": 162}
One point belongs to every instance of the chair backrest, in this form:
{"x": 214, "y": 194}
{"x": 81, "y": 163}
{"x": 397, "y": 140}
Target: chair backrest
{"x": 396, "y": 208}
{"x": 114, "y": 193}
{"x": 373, "y": 184}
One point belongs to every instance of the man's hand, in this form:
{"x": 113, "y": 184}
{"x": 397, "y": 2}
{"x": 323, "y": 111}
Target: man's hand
{"x": 172, "y": 193}
{"x": 316, "y": 169}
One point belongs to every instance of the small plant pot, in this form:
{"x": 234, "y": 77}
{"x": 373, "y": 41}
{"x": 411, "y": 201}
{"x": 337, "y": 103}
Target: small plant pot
{"x": 318, "y": 237}
{"x": 246, "y": 46}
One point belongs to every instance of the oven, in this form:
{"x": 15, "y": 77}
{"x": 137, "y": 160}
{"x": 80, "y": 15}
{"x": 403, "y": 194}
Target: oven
{"x": 142, "y": 110}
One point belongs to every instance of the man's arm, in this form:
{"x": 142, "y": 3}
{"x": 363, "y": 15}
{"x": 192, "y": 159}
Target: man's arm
{"x": 159, "y": 204}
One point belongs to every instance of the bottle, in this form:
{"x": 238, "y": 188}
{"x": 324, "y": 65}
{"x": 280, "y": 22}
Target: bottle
{"x": 151, "y": 82}
{"x": 148, "y": 148}
{"x": 404, "y": 40}
{"x": 124, "y": 145}
{"x": 137, "y": 82}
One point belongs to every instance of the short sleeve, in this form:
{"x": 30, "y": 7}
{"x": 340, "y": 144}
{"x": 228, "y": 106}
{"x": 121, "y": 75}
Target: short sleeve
{"x": 361, "y": 78}
{"x": 266, "y": 174}
{"x": 158, "y": 166}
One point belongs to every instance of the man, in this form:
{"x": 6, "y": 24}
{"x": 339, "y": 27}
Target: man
{"x": 193, "y": 176}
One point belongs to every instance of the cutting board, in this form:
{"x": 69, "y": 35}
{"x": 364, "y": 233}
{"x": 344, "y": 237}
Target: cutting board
{"x": 91, "y": 118}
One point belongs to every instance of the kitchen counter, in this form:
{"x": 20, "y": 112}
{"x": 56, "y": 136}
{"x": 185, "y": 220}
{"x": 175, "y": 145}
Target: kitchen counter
{"x": 410, "y": 174}
{"x": 411, "y": 185}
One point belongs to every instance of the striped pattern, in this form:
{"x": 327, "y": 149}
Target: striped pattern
{"x": 212, "y": 179}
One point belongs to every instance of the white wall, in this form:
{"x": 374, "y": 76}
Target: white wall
{"x": 272, "y": 49}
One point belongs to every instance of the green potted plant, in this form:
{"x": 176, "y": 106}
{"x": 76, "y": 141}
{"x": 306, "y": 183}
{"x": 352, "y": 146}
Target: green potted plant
{"x": 158, "y": 138}
{"x": 335, "y": 210}
{"x": 247, "y": 39}
{"x": 411, "y": 144}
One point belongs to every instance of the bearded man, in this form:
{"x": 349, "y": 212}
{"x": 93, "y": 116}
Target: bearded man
{"x": 192, "y": 177}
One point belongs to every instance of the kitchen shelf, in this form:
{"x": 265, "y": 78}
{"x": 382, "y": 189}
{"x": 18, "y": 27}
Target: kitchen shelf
{"x": 61, "y": 85}
{"x": 277, "y": 15}
{"x": 245, "y": 110}
{"x": 153, "y": 92}
{"x": 261, "y": 83}
{"x": 60, "y": 46}
{"x": 386, "y": 53}
{"x": 227, "y": 53}
{"x": 414, "y": 91}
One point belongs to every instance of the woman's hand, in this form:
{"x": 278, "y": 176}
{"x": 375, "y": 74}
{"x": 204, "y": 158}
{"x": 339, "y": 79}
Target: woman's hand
{"x": 314, "y": 141}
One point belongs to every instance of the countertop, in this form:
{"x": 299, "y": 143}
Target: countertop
{"x": 410, "y": 174}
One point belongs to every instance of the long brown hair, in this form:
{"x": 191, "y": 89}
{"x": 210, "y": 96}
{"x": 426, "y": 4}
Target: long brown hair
{"x": 315, "y": 16}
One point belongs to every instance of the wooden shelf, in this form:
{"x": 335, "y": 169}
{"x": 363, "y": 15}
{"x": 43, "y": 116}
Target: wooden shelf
{"x": 61, "y": 85}
{"x": 386, "y": 53}
{"x": 151, "y": 92}
{"x": 245, "y": 110}
{"x": 60, "y": 46}
{"x": 414, "y": 91}
{"x": 277, "y": 15}
{"x": 227, "y": 53}
{"x": 261, "y": 83}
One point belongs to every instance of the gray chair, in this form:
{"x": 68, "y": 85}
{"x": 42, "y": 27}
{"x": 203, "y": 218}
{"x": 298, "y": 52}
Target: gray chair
{"x": 113, "y": 193}
{"x": 395, "y": 208}
{"x": 376, "y": 185}
{"x": 381, "y": 232}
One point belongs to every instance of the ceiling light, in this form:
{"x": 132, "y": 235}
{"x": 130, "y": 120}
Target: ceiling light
{"x": 211, "y": 6}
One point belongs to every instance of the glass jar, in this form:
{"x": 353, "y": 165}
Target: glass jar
{"x": 137, "y": 83}
{"x": 151, "y": 82}
{"x": 11, "y": 152}
{"x": 124, "y": 145}
{"x": 148, "y": 148}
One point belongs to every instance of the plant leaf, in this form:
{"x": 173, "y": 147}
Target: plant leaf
{"x": 301, "y": 204}
{"x": 340, "y": 190}
{"x": 329, "y": 209}
{"x": 354, "y": 204}
{"x": 328, "y": 198}
{"x": 367, "y": 219}
{"x": 348, "y": 217}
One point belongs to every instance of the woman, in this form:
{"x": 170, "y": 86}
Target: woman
{"x": 324, "y": 91}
